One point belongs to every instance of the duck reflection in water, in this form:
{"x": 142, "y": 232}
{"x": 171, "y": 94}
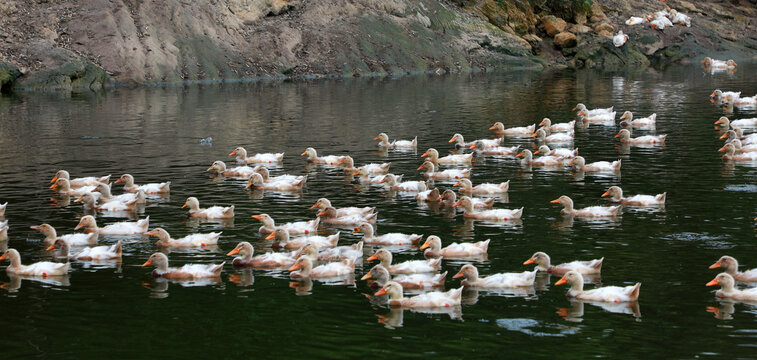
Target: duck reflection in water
{"x": 576, "y": 310}
{"x": 159, "y": 286}
{"x": 243, "y": 278}
{"x": 302, "y": 287}
{"x": 15, "y": 281}
{"x": 396, "y": 315}
{"x": 220, "y": 223}
{"x": 63, "y": 201}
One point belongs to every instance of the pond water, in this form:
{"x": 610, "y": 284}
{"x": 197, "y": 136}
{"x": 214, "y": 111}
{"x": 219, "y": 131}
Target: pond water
{"x": 154, "y": 134}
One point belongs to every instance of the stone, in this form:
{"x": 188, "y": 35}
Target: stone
{"x": 604, "y": 26}
{"x": 605, "y": 33}
{"x": 565, "y": 40}
{"x": 553, "y": 25}
{"x": 687, "y": 5}
{"x": 580, "y": 18}
{"x": 579, "y": 29}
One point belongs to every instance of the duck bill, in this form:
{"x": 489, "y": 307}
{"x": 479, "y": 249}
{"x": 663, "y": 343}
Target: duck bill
{"x": 456, "y": 204}
{"x": 78, "y": 226}
{"x": 718, "y": 122}
{"x": 723, "y": 136}
{"x": 519, "y": 155}
{"x": 321, "y": 213}
{"x": 210, "y": 169}
{"x": 419, "y": 168}
{"x": 50, "y": 248}
{"x": 55, "y": 178}
{"x": 380, "y": 292}
{"x": 571, "y": 163}
{"x": 232, "y": 153}
{"x": 270, "y": 236}
{"x": 304, "y": 153}
{"x": 294, "y": 267}
{"x": 451, "y": 140}
{"x": 493, "y": 127}
{"x": 78, "y": 200}
{"x": 377, "y": 138}
{"x": 425, "y": 245}
{"x": 458, "y": 275}
{"x": 233, "y": 252}
{"x": 257, "y": 217}
{"x": 185, "y": 205}
{"x": 607, "y": 193}
{"x": 340, "y": 162}
{"x": 617, "y": 136}
{"x": 534, "y": 135}
{"x": 722, "y": 149}
{"x": 149, "y": 233}
{"x": 382, "y": 181}
{"x": 35, "y": 227}
{"x": 716, "y": 265}
{"x": 424, "y": 154}
{"x": 472, "y": 146}
{"x": 713, "y": 282}
{"x": 373, "y": 257}
{"x": 541, "y": 123}
{"x": 367, "y": 276}
{"x": 148, "y": 262}
{"x": 118, "y": 181}
{"x": 314, "y": 206}
{"x": 562, "y": 280}
{"x": 355, "y": 173}
{"x": 54, "y": 186}
{"x": 535, "y": 152}
{"x": 2, "y": 257}
{"x": 529, "y": 261}
{"x": 457, "y": 184}
{"x": 356, "y": 230}
{"x": 574, "y": 109}
{"x": 555, "y": 201}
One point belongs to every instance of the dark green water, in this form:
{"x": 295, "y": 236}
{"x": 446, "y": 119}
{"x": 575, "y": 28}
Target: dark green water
{"x": 155, "y": 135}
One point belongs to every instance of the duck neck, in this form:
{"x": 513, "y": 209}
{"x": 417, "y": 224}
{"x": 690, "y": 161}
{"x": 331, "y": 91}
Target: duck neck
{"x": 368, "y": 233}
{"x": 577, "y": 286}
{"x": 568, "y": 206}
{"x": 15, "y": 260}
{"x": 386, "y": 261}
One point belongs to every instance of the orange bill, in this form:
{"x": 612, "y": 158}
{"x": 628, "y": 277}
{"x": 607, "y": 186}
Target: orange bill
{"x": 321, "y": 213}
{"x": 304, "y": 153}
{"x": 257, "y": 217}
{"x": 356, "y": 230}
{"x": 723, "y": 136}
{"x": 233, "y": 252}
{"x": 377, "y": 138}
{"x": 458, "y": 275}
{"x": 555, "y": 201}
{"x": 425, "y": 245}
{"x": 367, "y": 276}
{"x": 472, "y": 146}
{"x": 424, "y": 154}
{"x": 2, "y": 257}
{"x": 270, "y": 236}
{"x": 373, "y": 257}
{"x": 55, "y": 178}
{"x": 607, "y": 193}
{"x": 148, "y": 262}
{"x": 233, "y": 153}
{"x": 562, "y": 280}
{"x": 380, "y": 292}
{"x": 50, "y": 248}
{"x": 451, "y": 140}
{"x": 713, "y": 282}
{"x": 716, "y": 265}
{"x": 294, "y": 267}
{"x": 456, "y": 204}
{"x": 529, "y": 261}
{"x": 118, "y": 181}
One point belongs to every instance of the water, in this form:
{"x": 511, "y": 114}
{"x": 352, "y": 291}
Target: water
{"x": 155, "y": 134}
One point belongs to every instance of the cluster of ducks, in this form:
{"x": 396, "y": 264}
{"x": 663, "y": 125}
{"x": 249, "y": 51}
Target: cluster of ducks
{"x": 661, "y": 19}
{"x": 738, "y": 146}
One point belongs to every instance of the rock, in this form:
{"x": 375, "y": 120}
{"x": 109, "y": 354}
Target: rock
{"x": 579, "y": 18}
{"x": 605, "y": 33}
{"x": 579, "y": 29}
{"x": 423, "y": 19}
{"x": 73, "y": 74}
{"x": 595, "y": 19}
{"x": 535, "y": 43}
{"x": 565, "y": 40}
{"x": 553, "y": 25}
{"x": 596, "y": 10}
{"x": 8, "y": 75}
{"x": 596, "y": 51}
{"x": 687, "y": 5}
{"x": 604, "y": 26}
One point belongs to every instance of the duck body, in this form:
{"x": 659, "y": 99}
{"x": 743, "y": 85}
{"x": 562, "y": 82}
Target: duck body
{"x": 269, "y": 260}
{"x": 82, "y": 181}
{"x": 192, "y": 240}
{"x": 323, "y": 203}
{"x": 339, "y": 253}
{"x": 495, "y": 214}
{"x": 601, "y": 117}
{"x": 731, "y": 267}
{"x": 42, "y": 268}
{"x": 376, "y": 168}
{"x": 190, "y": 271}
{"x": 518, "y": 131}
{"x": 420, "y": 281}
{"x": 294, "y": 228}
{"x": 585, "y": 267}
{"x": 635, "y": 20}
{"x": 594, "y": 211}
{"x": 214, "y": 212}
{"x": 636, "y": 200}
{"x": 483, "y": 189}
{"x": 500, "y": 151}
{"x": 615, "y": 294}
{"x": 407, "y": 267}
{"x": 432, "y": 299}
{"x": 120, "y": 228}
{"x": 112, "y": 252}
{"x": 599, "y": 166}
{"x": 284, "y": 241}
{"x": 261, "y": 158}
{"x": 396, "y": 144}
{"x": 329, "y": 270}
{"x": 625, "y": 137}
{"x": 619, "y": 39}
{"x": 394, "y": 239}
{"x": 503, "y": 280}
{"x": 454, "y": 250}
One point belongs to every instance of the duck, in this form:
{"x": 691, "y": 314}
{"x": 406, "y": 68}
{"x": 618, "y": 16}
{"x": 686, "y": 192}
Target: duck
{"x": 329, "y": 215}
{"x": 469, "y": 273}
{"x": 104, "y": 195}
{"x": 728, "y": 289}
{"x": 737, "y": 133}
{"x": 541, "y": 135}
{"x": 42, "y": 268}
{"x": 2, "y": 209}
{"x": 213, "y": 212}
{"x": 241, "y": 172}
{"x": 372, "y": 168}
{"x": 406, "y": 186}
{"x": 745, "y": 101}
{"x": 339, "y": 253}
{"x": 494, "y": 151}
{"x": 647, "y": 122}
{"x": 89, "y": 201}
{"x": 740, "y": 148}
{"x": 386, "y": 239}
{"x": 466, "y": 186}
{"x": 323, "y": 203}
{"x": 593, "y": 112}
{"x": 625, "y": 137}
{"x": 455, "y": 159}
{"x": 4, "y": 231}
{"x": 637, "y": 200}
{"x": 284, "y": 241}
{"x": 659, "y": 23}
{"x": 602, "y": 117}
{"x": 604, "y": 294}
{"x": 328, "y": 270}
{"x": 267, "y": 178}
{"x": 592, "y": 211}
{"x": 186, "y": 272}
{"x": 719, "y": 64}
{"x": 79, "y": 182}
{"x": 433, "y": 248}
{"x": 294, "y": 228}
{"x": 322, "y": 160}
{"x": 725, "y": 123}
{"x": 428, "y": 300}
{"x": 679, "y": 19}
{"x": 600, "y": 166}
{"x": 431, "y": 171}
{"x": 364, "y": 177}
{"x": 70, "y": 239}
{"x": 261, "y": 158}
{"x": 269, "y": 260}
{"x": 560, "y": 153}
{"x": 731, "y": 267}
{"x": 561, "y": 127}
{"x": 635, "y": 20}
{"x": 163, "y": 188}
{"x": 63, "y": 187}
{"x": 430, "y": 196}
{"x": 619, "y": 39}
{"x": 407, "y": 267}
{"x": 89, "y": 224}
{"x": 484, "y": 143}
{"x": 718, "y": 94}
{"x": 518, "y": 131}
{"x": 192, "y": 240}
{"x": 449, "y": 199}
{"x": 380, "y": 276}
{"x": 106, "y": 252}
{"x": 256, "y": 182}
{"x": 730, "y": 154}
{"x": 396, "y": 144}
{"x": 545, "y": 161}
{"x": 587, "y": 267}
{"x": 493, "y": 214}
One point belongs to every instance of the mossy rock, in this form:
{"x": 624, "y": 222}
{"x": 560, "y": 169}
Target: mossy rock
{"x": 8, "y": 75}
{"x": 599, "y": 52}
{"x": 73, "y": 74}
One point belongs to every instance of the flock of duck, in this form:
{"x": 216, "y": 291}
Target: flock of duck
{"x": 298, "y": 247}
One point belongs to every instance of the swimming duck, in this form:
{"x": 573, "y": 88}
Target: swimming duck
{"x": 256, "y": 182}
{"x": 625, "y": 137}
{"x": 407, "y": 186}
{"x": 186, "y": 272}
{"x": 597, "y": 118}
{"x": 745, "y": 101}
{"x": 518, "y": 131}
{"x": 737, "y": 133}
{"x": 591, "y": 211}
{"x": 560, "y": 153}
{"x": 607, "y": 293}
{"x": 483, "y": 143}
{"x": 339, "y": 253}
{"x": 725, "y": 123}
{"x": 328, "y": 270}
{"x": 270, "y": 260}
{"x": 407, "y": 267}
{"x": 396, "y": 144}
{"x": 494, "y": 151}
{"x": 105, "y": 195}
{"x": 380, "y": 276}
{"x": 593, "y": 112}
{"x": 192, "y": 240}
{"x": 284, "y": 241}
{"x": 589, "y": 267}
{"x": 120, "y": 228}
{"x": 469, "y": 273}
{"x": 213, "y": 212}
{"x": 372, "y": 168}
{"x": 647, "y": 122}
{"x": 366, "y": 178}
{"x": 294, "y": 228}
{"x": 728, "y": 290}
{"x": 323, "y": 203}
{"x": 42, "y": 268}
{"x": 740, "y": 148}
{"x": 730, "y": 154}
{"x": 449, "y": 199}
{"x": 79, "y": 182}
{"x": 241, "y": 172}
{"x": 619, "y": 39}
{"x": 541, "y": 135}
{"x": 2, "y": 209}
{"x": 433, "y": 246}
{"x": 386, "y": 239}
{"x": 493, "y": 214}
{"x": 70, "y": 239}
{"x": 561, "y": 127}
{"x": 107, "y": 252}
{"x": 427, "y": 300}
{"x": 430, "y": 196}
{"x": 4, "y": 231}
{"x": 89, "y": 201}
{"x": 545, "y": 161}
{"x": 731, "y": 267}
{"x": 261, "y": 158}
{"x": 455, "y": 159}
{"x": 62, "y": 187}
{"x": 286, "y": 178}
{"x": 329, "y": 215}
{"x": 466, "y": 186}
{"x": 151, "y": 188}
{"x": 719, "y": 64}
{"x": 323, "y": 160}
{"x": 431, "y": 171}
{"x": 637, "y": 200}
{"x": 600, "y": 166}
{"x": 718, "y": 95}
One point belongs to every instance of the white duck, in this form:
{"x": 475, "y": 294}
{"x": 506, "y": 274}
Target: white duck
{"x": 106, "y": 252}
{"x": 644, "y": 123}
{"x": 42, "y": 268}
{"x": 257, "y": 182}
{"x": 635, "y": 20}
{"x": 406, "y": 186}
{"x": 561, "y": 127}
{"x": 89, "y": 224}
{"x": 483, "y": 143}
{"x": 433, "y": 246}
{"x": 323, "y": 160}
{"x": 545, "y": 161}
{"x": 79, "y": 182}
{"x": 240, "y": 172}
{"x": 213, "y": 212}
{"x": 294, "y": 228}
{"x": 192, "y": 240}
{"x": 591, "y": 211}
{"x": 729, "y": 290}
{"x": 543, "y": 263}
{"x": 329, "y": 216}
{"x": 261, "y": 158}
{"x": 407, "y": 267}
{"x": 494, "y": 281}
{"x": 328, "y": 270}
{"x": 740, "y": 148}
{"x": 637, "y": 200}
{"x": 284, "y": 241}
{"x": 372, "y": 168}
{"x": 731, "y": 267}
{"x": 560, "y": 153}
{"x": 493, "y": 214}
{"x": 449, "y": 199}
{"x": 725, "y": 123}
{"x": 380, "y": 275}
{"x": 103, "y": 195}
{"x": 323, "y": 203}
{"x": 597, "y": 118}
{"x": 607, "y": 293}
{"x": 541, "y": 135}
{"x": 619, "y": 39}
{"x": 70, "y": 239}
{"x": 518, "y": 131}
{"x": 495, "y": 151}
{"x": 625, "y": 137}
{"x": 466, "y": 187}
{"x": 386, "y": 239}
{"x": 269, "y": 260}
{"x": 63, "y": 187}
{"x": 579, "y": 163}
{"x": 454, "y": 159}
{"x": 431, "y": 171}
{"x": 89, "y": 201}
{"x": 431, "y": 196}
{"x": 163, "y": 188}
{"x": 186, "y": 272}
{"x": 339, "y": 253}
{"x": 427, "y": 300}
{"x": 730, "y": 154}
{"x": 396, "y": 144}
{"x": 593, "y": 112}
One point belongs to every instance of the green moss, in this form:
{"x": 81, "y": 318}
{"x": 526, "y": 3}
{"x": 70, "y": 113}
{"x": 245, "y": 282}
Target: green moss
{"x": 72, "y": 74}
{"x": 8, "y": 76}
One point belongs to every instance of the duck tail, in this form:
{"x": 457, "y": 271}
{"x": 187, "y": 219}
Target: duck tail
{"x": 316, "y": 222}
{"x": 335, "y": 238}
{"x": 117, "y": 248}
{"x": 144, "y": 223}
{"x": 229, "y": 211}
{"x": 456, "y": 294}
{"x": 653, "y": 117}
{"x": 372, "y": 218}
{"x": 358, "y": 246}
{"x": 485, "y": 244}
{"x": 166, "y": 187}
{"x": 302, "y": 181}
{"x": 415, "y": 141}
{"x": 597, "y": 264}
{"x": 436, "y": 263}
{"x": 92, "y": 238}
{"x": 415, "y": 239}
{"x": 440, "y": 278}
{"x": 216, "y": 270}
{"x": 505, "y": 185}
{"x": 634, "y": 294}
{"x": 661, "y": 197}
